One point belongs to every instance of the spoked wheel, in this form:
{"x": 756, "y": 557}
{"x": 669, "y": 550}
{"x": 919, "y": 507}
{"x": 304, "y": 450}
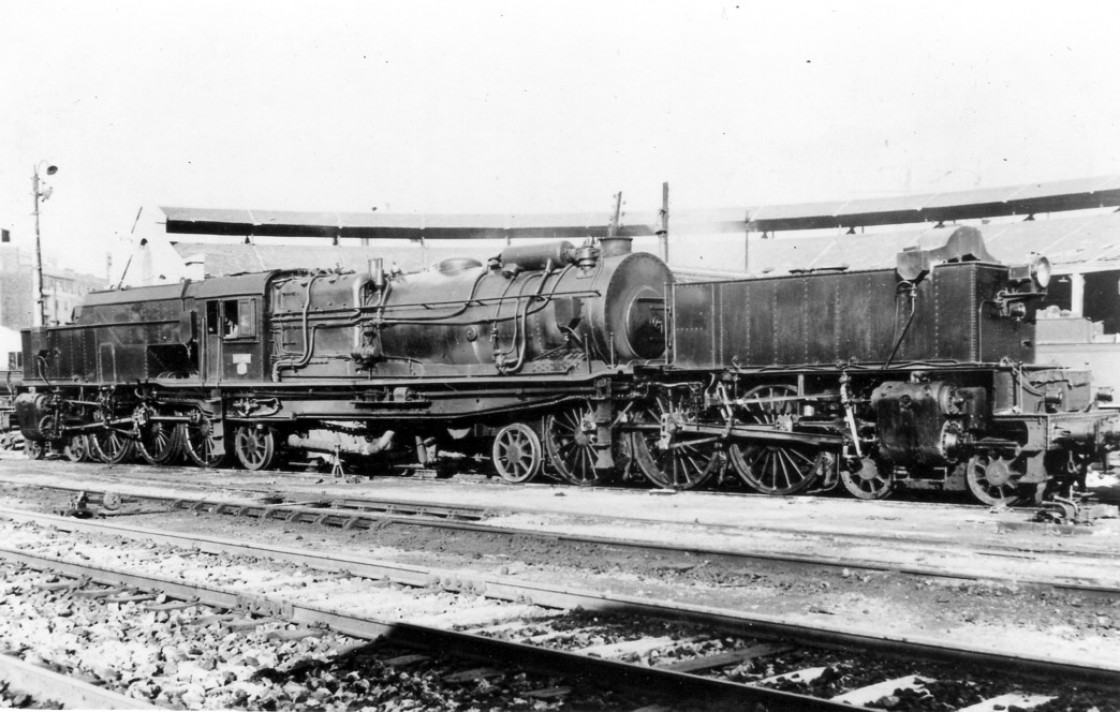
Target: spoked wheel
{"x": 159, "y": 442}
{"x": 867, "y": 479}
{"x": 517, "y": 453}
{"x": 668, "y": 457}
{"x": 781, "y": 469}
{"x": 77, "y": 448}
{"x": 993, "y": 479}
{"x": 111, "y": 446}
{"x": 255, "y": 446}
{"x": 34, "y": 449}
{"x": 570, "y": 438}
{"x": 37, "y": 449}
{"x": 199, "y": 442}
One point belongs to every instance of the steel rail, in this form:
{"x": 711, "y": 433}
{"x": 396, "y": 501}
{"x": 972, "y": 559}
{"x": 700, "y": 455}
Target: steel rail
{"x": 48, "y": 685}
{"x": 451, "y": 521}
{"x": 458, "y": 518}
{"x": 610, "y": 673}
{"x": 505, "y": 588}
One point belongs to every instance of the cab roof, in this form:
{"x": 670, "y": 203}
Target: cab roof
{"x": 234, "y": 285}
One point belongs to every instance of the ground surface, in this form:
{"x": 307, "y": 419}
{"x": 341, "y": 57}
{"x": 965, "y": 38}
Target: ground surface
{"x": 1002, "y": 615}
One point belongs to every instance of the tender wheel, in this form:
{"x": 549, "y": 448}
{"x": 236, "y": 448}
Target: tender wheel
{"x": 111, "y": 446}
{"x": 868, "y": 480}
{"x": 668, "y": 457}
{"x": 255, "y": 446}
{"x": 199, "y": 443}
{"x": 159, "y": 443}
{"x": 77, "y": 448}
{"x": 517, "y": 453}
{"x": 569, "y": 440}
{"x": 993, "y": 479}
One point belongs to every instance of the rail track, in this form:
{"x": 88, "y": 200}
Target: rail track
{"x": 370, "y": 513}
{"x": 614, "y": 641}
{"x": 247, "y": 482}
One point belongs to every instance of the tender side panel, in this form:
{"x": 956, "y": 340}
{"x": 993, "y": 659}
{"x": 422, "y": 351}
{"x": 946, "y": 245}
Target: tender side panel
{"x": 813, "y": 319}
{"x": 694, "y": 325}
{"x": 825, "y": 319}
{"x": 865, "y": 312}
{"x": 822, "y": 321}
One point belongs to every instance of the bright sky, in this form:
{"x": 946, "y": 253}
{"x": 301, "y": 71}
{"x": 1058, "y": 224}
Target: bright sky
{"x": 536, "y": 107}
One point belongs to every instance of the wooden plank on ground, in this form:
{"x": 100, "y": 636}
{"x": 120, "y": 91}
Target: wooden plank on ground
{"x": 866, "y": 695}
{"x": 1007, "y": 702}
{"x": 729, "y": 657}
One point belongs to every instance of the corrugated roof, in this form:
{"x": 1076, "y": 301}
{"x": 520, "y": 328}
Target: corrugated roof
{"x": 1070, "y": 243}
{"x": 224, "y": 259}
{"x": 281, "y": 223}
{"x": 1026, "y": 199}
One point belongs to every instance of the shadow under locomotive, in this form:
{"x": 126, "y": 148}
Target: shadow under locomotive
{"x": 589, "y": 363}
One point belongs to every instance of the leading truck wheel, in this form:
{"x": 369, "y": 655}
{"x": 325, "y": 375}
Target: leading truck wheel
{"x": 517, "y": 453}
{"x": 77, "y": 448}
{"x": 993, "y": 479}
{"x": 872, "y": 479}
{"x": 255, "y": 446}
{"x": 34, "y": 449}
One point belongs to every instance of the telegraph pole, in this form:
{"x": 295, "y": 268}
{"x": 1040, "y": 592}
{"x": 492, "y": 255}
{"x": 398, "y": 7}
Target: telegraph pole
{"x": 38, "y": 315}
{"x": 663, "y": 229}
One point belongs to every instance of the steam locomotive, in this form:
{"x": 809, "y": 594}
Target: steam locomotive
{"x": 589, "y": 362}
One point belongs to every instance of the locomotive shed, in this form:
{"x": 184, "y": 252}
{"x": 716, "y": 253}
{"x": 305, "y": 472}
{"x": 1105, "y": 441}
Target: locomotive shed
{"x": 982, "y": 611}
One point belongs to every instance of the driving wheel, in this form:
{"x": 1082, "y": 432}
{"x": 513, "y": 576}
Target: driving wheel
{"x": 159, "y": 443}
{"x": 774, "y": 468}
{"x": 570, "y": 439}
{"x": 111, "y": 446}
{"x": 199, "y": 440}
{"x": 668, "y": 456}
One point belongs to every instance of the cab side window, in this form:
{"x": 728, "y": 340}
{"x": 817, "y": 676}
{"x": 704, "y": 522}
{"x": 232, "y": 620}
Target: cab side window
{"x": 231, "y": 324}
{"x": 232, "y": 318}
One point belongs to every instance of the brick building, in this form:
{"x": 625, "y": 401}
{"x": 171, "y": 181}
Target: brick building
{"x": 63, "y": 289}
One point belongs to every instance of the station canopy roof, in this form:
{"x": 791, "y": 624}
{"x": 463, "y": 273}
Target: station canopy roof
{"x": 1026, "y": 199}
